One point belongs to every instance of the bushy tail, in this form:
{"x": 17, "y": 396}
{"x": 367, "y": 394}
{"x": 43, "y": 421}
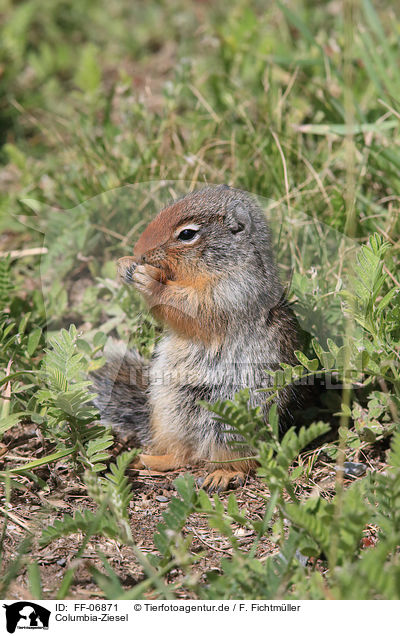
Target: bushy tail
{"x": 121, "y": 386}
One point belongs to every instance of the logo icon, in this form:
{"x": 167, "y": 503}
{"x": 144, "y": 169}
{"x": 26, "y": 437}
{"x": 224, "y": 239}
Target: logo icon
{"x": 26, "y": 615}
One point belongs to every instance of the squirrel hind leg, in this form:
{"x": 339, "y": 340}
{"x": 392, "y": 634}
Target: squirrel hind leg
{"x": 221, "y": 480}
{"x": 226, "y": 475}
{"x": 161, "y": 463}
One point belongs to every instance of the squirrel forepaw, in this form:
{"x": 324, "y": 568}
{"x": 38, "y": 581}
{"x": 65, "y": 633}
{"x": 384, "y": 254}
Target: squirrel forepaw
{"x": 126, "y": 267}
{"x": 221, "y": 480}
{"x": 147, "y": 280}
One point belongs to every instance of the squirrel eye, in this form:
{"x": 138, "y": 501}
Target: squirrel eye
{"x": 187, "y": 234}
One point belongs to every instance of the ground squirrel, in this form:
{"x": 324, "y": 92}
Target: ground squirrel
{"x": 205, "y": 267}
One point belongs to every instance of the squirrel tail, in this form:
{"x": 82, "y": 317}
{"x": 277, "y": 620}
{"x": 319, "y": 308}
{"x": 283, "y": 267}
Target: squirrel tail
{"x": 121, "y": 386}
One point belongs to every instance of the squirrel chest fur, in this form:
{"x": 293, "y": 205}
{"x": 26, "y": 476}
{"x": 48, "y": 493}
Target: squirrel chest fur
{"x": 205, "y": 268}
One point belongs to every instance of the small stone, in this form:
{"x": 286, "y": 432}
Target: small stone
{"x": 302, "y": 559}
{"x": 353, "y": 469}
{"x": 162, "y": 499}
{"x": 242, "y": 532}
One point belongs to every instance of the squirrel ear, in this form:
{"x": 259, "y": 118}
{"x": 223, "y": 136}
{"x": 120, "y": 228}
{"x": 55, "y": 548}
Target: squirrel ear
{"x": 237, "y": 217}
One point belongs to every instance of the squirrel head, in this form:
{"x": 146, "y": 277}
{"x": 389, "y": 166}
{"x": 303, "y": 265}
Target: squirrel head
{"x": 214, "y": 243}
{"x": 212, "y": 232}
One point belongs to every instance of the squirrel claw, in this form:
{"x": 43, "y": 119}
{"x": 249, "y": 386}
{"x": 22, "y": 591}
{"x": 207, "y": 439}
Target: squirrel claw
{"x": 126, "y": 267}
{"x": 221, "y": 480}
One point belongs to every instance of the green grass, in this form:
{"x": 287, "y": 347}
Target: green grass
{"x": 297, "y": 103}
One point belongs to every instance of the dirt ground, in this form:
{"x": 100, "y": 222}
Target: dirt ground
{"x": 32, "y": 509}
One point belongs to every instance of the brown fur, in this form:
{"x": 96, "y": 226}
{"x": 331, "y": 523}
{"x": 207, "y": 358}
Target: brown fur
{"x": 159, "y": 231}
{"x": 160, "y": 463}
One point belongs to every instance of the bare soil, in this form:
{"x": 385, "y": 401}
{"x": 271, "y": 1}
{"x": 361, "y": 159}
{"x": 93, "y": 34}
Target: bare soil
{"x": 34, "y": 507}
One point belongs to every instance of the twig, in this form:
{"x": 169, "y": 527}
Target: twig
{"x": 396, "y": 282}
{"x": 14, "y": 518}
{"x": 206, "y": 105}
{"x": 285, "y": 174}
{"x": 32, "y": 251}
{"x": 212, "y": 547}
